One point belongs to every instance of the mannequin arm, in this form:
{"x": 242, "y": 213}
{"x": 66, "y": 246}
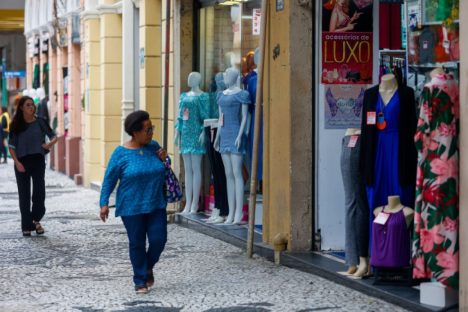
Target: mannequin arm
{"x": 177, "y": 138}
{"x": 201, "y": 138}
{"x": 245, "y": 111}
{"x": 249, "y": 121}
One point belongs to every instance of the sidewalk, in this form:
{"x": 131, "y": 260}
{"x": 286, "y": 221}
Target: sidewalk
{"x": 81, "y": 264}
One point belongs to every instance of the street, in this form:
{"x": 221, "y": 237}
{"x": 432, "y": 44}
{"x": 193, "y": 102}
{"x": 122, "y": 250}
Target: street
{"x": 82, "y": 264}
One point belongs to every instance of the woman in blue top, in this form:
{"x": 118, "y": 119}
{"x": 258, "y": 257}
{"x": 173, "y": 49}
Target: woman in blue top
{"x": 140, "y": 201}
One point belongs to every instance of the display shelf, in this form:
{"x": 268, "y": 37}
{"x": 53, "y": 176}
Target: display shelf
{"x": 452, "y": 64}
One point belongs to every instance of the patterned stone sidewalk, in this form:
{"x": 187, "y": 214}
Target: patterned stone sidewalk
{"x": 82, "y": 264}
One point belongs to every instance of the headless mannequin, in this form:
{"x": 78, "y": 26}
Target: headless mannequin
{"x": 192, "y": 162}
{"x": 387, "y": 88}
{"x": 352, "y": 131}
{"x": 233, "y": 162}
{"x": 394, "y": 206}
{"x": 352, "y": 268}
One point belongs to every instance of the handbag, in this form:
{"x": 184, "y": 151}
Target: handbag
{"x": 172, "y": 190}
{"x": 43, "y": 125}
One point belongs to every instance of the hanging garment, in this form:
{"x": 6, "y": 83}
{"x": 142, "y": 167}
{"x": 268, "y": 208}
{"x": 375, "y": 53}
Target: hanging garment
{"x": 193, "y": 110}
{"x": 386, "y": 174}
{"x": 231, "y": 107}
{"x": 391, "y": 242}
{"x": 427, "y": 44}
{"x": 252, "y": 88}
{"x": 390, "y": 26}
{"x": 218, "y": 173}
{"x": 356, "y": 208}
{"x": 435, "y": 245}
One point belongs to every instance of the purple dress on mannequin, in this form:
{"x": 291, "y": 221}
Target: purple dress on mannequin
{"x": 391, "y": 242}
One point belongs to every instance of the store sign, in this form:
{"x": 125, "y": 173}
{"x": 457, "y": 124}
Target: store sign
{"x": 256, "y": 21}
{"x": 347, "y": 42}
{"x": 343, "y": 106}
{"x": 14, "y": 74}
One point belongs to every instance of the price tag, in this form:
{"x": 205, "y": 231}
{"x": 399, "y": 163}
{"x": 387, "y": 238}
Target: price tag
{"x": 221, "y": 120}
{"x": 353, "y": 140}
{"x": 371, "y": 118}
{"x": 425, "y": 45}
{"x": 186, "y": 114}
{"x": 382, "y": 218}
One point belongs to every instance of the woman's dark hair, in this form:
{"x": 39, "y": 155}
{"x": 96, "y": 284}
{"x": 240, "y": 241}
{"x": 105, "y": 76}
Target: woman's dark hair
{"x": 18, "y": 124}
{"x": 134, "y": 121}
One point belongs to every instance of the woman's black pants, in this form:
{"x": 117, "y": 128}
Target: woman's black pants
{"x": 35, "y": 171}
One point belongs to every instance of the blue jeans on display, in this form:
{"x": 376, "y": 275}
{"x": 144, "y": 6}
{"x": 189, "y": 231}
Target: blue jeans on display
{"x": 154, "y": 226}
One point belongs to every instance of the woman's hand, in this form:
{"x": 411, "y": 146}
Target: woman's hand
{"x": 104, "y": 215}
{"x": 46, "y": 146}
{"x": 19, "y": 166}
{"x": 355, "y": 17}
{"x": 162, "y": 154}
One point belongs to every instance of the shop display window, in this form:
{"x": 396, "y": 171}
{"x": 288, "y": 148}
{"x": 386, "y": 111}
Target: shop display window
{"x": 228, "y": 35}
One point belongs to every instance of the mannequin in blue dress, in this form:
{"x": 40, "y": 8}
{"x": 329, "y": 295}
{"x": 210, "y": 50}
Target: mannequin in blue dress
{"x": 231, "y": 141}
{"x": 190, "y": 136}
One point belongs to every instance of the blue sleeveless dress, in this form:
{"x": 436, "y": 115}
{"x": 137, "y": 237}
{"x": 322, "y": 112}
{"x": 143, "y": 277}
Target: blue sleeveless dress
{"x": 386, "y": 182}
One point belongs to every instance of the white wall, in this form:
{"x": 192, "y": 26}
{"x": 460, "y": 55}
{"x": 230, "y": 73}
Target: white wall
{"x": 330, "y": 210}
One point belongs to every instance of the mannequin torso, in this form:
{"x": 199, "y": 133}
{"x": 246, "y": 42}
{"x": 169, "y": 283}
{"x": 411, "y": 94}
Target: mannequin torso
{"x": 394, "y": 206}
{"x": 387, "y": 88}
{"x": 352, "y": 131}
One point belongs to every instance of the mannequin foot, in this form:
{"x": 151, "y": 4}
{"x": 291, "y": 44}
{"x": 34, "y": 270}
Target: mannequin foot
{"x": 218, "y": 220}
{"x": 363, "y": 268}
{"x": 186, "y": 210}
{"x": 351, "y": 270}
{"x": 239, "y": 222}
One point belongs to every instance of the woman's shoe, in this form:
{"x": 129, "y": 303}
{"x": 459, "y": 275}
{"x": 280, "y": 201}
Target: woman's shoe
{"x": 39, "y": 228}
{"x": 141, "y": 290}
{"x": 26, "y": 233}
{"x": 149, "y": 279}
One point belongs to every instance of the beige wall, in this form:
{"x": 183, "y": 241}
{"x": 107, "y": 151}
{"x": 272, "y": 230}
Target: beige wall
{"x": 288, "y": 127}
{"x": 150, "y": 71}
{"x": 463, "y": 237}
{"x": 92, "y": 83}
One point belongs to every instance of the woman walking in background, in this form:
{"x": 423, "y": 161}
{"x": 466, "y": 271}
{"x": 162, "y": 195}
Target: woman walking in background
{"x": 27, "y": 148}
{"x": 140, "y": 201}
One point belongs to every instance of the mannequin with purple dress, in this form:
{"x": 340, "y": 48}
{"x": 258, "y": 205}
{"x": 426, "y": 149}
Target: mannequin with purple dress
{"x": 391, "y": 240}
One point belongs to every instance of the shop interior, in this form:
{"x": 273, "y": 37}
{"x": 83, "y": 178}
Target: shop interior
{"x": 415, "y": 51}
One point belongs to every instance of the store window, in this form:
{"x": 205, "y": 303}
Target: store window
{"x": 391, "y": 140}
{"x": 228, "y": 35}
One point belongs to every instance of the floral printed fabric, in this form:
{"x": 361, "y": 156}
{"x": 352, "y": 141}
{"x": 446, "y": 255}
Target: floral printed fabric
{"x": 435, "y": 245}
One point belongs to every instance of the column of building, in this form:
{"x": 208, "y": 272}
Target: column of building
{"x": 150, "y": 63}
{"x": 111, "y": 83}
{"x": 53, "y": 94}
{"x": 73, "y": 140}
{"x": 59, "y": 149}
{"x": 92, "y": 93}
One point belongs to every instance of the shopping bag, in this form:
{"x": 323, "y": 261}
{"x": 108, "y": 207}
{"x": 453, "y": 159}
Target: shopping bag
{"x": 172, "y": 190}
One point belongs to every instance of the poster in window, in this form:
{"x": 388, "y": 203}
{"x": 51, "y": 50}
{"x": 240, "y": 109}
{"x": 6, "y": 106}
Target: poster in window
{"x": 256, "y": 21}
{"x": 343, "y": 106}
{"x": 347, "y": 41}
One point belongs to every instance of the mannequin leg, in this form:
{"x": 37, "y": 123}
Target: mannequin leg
{"x": 230, "y": 183}
{"x": 236, "y": 161}
{"x": 196, "y": 176}
{"x": 188, "y": 182}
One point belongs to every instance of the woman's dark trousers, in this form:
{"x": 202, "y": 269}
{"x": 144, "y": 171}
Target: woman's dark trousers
{"x": 35, "y": 171}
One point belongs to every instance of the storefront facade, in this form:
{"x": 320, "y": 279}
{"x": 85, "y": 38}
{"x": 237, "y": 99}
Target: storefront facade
{"x": 54, "y": 66}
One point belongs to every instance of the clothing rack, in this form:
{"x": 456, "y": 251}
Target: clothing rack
{"x": 394, "y": 62}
